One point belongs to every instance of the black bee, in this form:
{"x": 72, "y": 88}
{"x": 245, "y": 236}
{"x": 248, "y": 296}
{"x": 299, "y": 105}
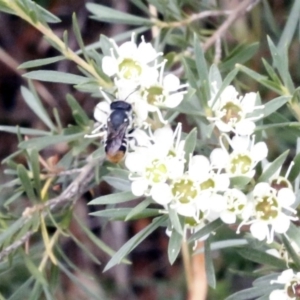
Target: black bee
{"x": 119, "y": 126}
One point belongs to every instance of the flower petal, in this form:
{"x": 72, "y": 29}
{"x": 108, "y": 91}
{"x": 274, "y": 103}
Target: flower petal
{"x": 139, "y": 187}
{"x": 101, "y": 112}
{"x": 228, "y": 217}
{"x": 248, "y": 102}
{"x": 286, "y": 197}
{"x": 173, "y": 100}
{"x": 281, "y": 224}
{"x": 259, "y": 230}
{"x": 245, "y": 127}
{"x": 161, "y": 193}
{"x": 109, "y": 65}
{"x": 128, "y": 50}
{"x": 171, "y": 83}
{"x": 259, "y": 151}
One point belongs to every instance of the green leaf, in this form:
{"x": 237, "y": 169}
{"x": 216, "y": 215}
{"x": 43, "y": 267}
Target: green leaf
{"x": 174, "y": 246}
{"x": 26, "y": 182}
{"x": 271, "y": 72}
{"x": 230, "y": 76}
{"x": 78, "y": 113}
{"x": 295, "y": 169}
{"x": 21, "y": 291}
{"x": 175, "y": 220}
{"x": 290, "y": 27}
{"x": 122, "y": 213}
{"x": 215, "y": 76}
{"x": 35, "y": 166}
{"x": 240, "y": 181}
{"x": 95, "y": 239}
{"x": 109, "y": 15}
{"x": 274, "y": 105}
{"x": 22, "y": 130}
{"x": 43, "y": 142}
{"x": 251, "y": 293}
{"x": 113, "y": 198}
{"x": 11, "y": 230}
{"x": 190, "y": 144}
{"x": 36, "y": 106}
{"x": 201, "y": 67}
{"x": 41, "y": 62}
{"x": 118, "y": 183}
{"x": 294, "y": 234}
{"x": 291, "y": 250}
{"x": 209, "y": 266}
{"x": 281, "y": 64}
{"x": 78, "y": 36}
{"x": 32, "y": 268}
{"x": 135, "y": 241}
{"x": 273, "y": 167}
{"x": 242, "y": 56}
{"x": 262, "y": 257}
{"x": 137, "y": 210}
{"x": 207, "y": 229}
{"x": 262, "y": 281}
{"x": 260, "y": 78}
{"x": 56, "y": 76}
{"x": 88, "y": 291}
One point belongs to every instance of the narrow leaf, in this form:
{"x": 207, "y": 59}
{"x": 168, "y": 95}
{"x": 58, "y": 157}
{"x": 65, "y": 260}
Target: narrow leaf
{"x": 273, "y": 167}
{"x": 262, "y": 258}
{"x": 211, "y": 227}
{"x": 174, "y": 246}
{"x": 56, "y": 76}
{"x": 37, "y": 107}
{"x": 113, "y": 198}
{"x": 41, "y": 62}
{"x": 107, "y": 14}
{"x": 136, "y": 211}
{"x": 209, "y": 266}
{"x": 134, "y": 242}
{"x": 26, "y": 182}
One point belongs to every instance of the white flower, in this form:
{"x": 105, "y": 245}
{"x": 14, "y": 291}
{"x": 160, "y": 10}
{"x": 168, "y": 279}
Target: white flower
{"x": 270, "y": 208}
{"x": 244, "y": 157}
{"x": 131, "y": 62}
{"x": 291, "y": 289}
{"x": 151, "y": 167}
{"x": 236, "y": 206}
{"x": 231, "y": 110}
{"x": 195, "y": 192}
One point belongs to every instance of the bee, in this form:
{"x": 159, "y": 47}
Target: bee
{"x": 115, "y": 124}
{"x": 119, "y": 126}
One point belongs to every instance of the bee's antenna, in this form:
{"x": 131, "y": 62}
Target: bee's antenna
{"x": 132, "y": 92}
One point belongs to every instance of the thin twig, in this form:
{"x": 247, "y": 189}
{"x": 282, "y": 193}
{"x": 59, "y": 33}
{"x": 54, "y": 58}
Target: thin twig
{"x": 241, "y": 9}
{"x": 70, "y": 195}
{"x": 16, "y": 244}
{"x": 193, "y": 18}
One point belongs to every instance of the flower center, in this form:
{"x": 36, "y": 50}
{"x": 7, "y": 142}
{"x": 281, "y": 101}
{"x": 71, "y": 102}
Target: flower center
{"x": 156, "y": 172}
{"x": 192, "y": 222}
{"x": 232, "y": 113}
{"x": 293, "y": 290}
{"x": 240, "y": 164}
{"x": 208, "y": 184}
{"x": 154, "y": 94}
{"x": 130, "y": 68}
{"x": 279, "y": 183}
{"x": 235, "y": 204}
{"x": 267, "y": 208}
{"x": 184, "y": 190}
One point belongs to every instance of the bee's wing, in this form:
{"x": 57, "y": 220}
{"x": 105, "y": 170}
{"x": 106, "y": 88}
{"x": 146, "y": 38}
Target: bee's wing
{"x": 115, "y": 138}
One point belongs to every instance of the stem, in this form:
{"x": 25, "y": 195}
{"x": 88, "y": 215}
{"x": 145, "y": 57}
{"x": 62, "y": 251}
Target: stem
{"x": 67, "y": 52}
{"x": 187, "y": 265}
